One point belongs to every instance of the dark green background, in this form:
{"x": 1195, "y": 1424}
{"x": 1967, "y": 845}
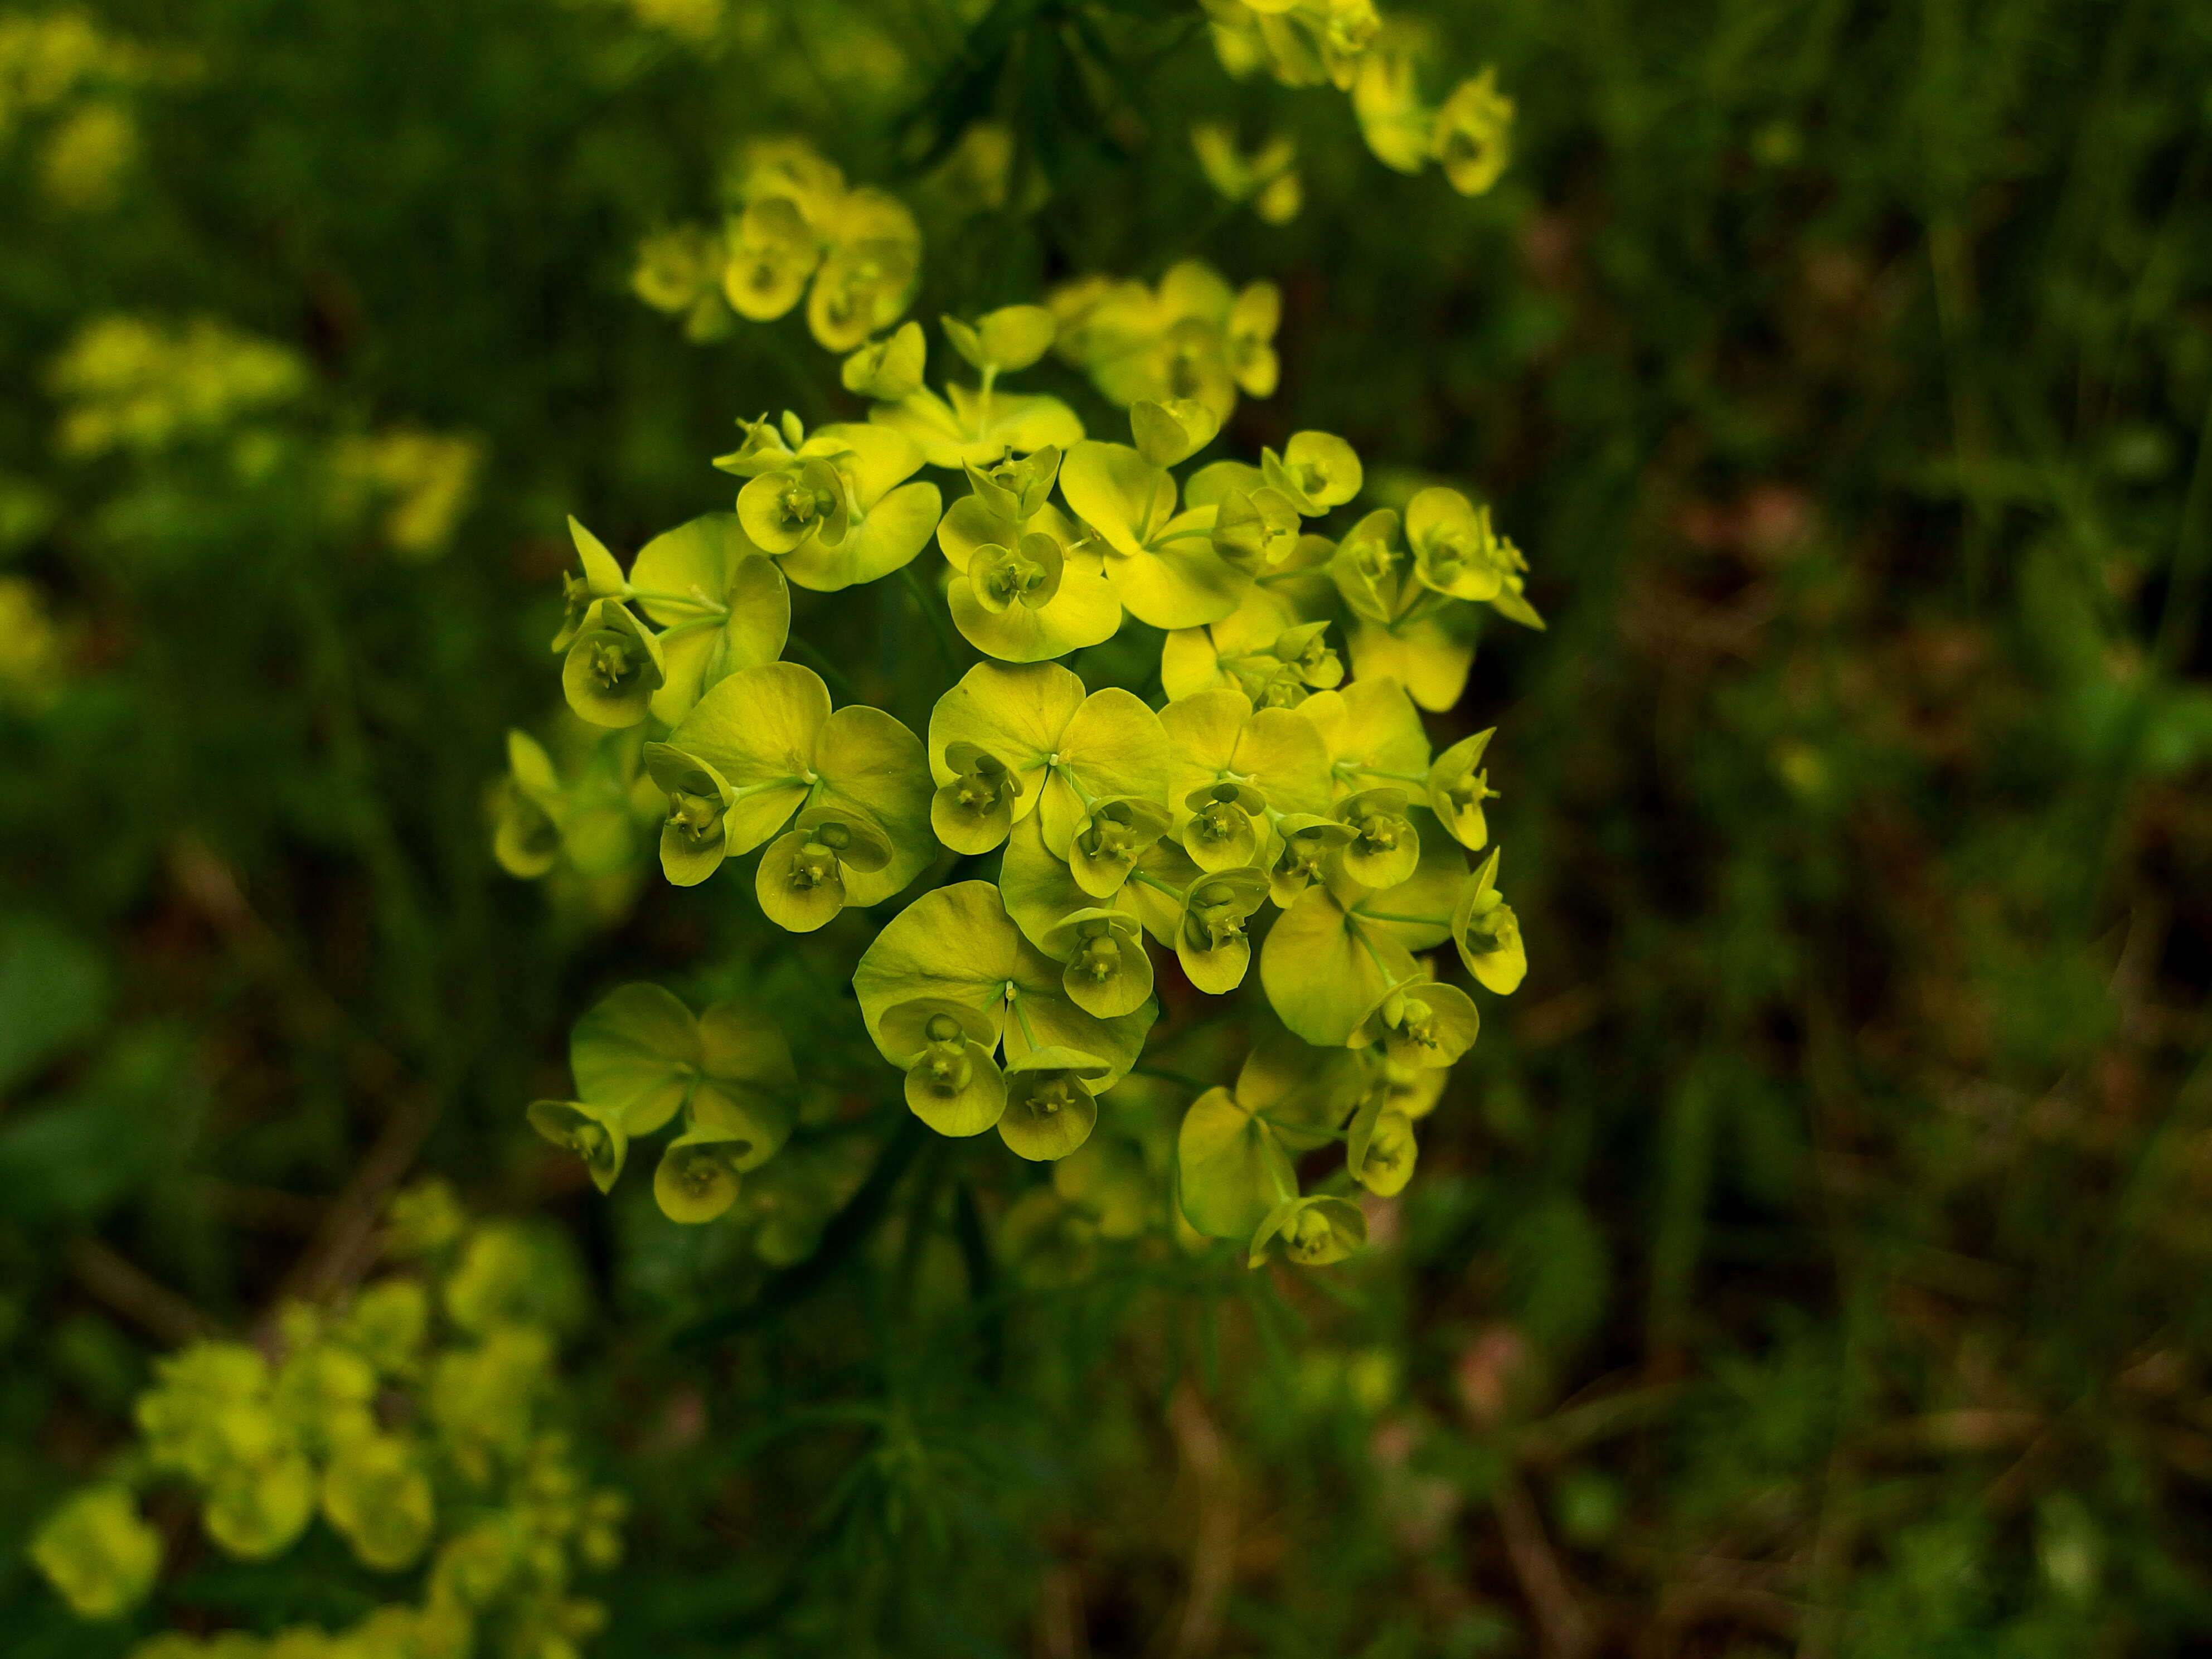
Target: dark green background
{"x": 1811, "y": 1258}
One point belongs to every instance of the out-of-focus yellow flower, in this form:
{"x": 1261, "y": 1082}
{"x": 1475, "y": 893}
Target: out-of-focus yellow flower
{"x": 33, "y": 648}
{"x": 1474, "y": 135}
{"x": 427, "y": 478}
{"x": 86, "y": 157}
{"x": 130, "y": 383}
{"x": 1268, "y": 177}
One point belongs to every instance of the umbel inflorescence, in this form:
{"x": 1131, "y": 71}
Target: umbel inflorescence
{"x": 1263, "y": 803}
{"x": 416, "y": 1420}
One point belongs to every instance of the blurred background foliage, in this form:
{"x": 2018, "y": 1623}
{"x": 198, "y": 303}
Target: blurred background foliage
{"x": 1813, "y": 1262}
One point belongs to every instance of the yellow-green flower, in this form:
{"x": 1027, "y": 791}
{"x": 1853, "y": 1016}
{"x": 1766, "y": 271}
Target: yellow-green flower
{"x": 98, "y": 1553}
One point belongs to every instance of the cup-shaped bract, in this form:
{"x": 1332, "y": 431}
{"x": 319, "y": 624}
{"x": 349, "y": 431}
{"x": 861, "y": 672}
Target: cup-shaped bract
{"x": 1015, "y": 488}
{"x": 1109, "y": 972}
{"x": 973, "y": 811}
{"x": 957, "y": 942}
{"x": 722, "y": 605}
{"x": 1488, "y": 933}
{"x": 699, "y": 1174}
{"x": 1304, "y": 650}
{"x": 766, "y": 446}
{"x": 1162, "y": 563}
{"x": 695, "y": 838}
{"x": 636, "y": 1054}
{"x": 1316, "y": 471}
{"x": 1209, "y": 941}
{"x": 1231, "y": 1170}
{"x": 1304, "y": 844}
{"x": 771, "y": 733}
{"x": 802, "y": 881}
{"x": 1004, "y": 341}
{"x": 98, "y": 1552}
{"x": 376, "y": 1493}
{"x": 526, "y": 830}
{"x": 1255, "y": 529}
{"x": 772, "y": 251}
{"x": 1370, "y": 727}
{"x": 1457, "y": 787}
{"x": 1171, "y": 432}
{"x": 956, "y": 1088}
{"x": 1309, "y": 1232}
{"x": 1049, "y": 1108}
{"x": 1455, "y": 549}
{"x": 973, "y": 426}
{"x": 1226, "y": 828}
{"x": 1385, "y": 848}
{"x": 1323, "y": 967}
{"x": 613, "y": 666}
{"x": 861, "y": 287}
{"x": 783, "y": 508}
{"x": 1372, "y": 573}
{"x": 1380, "y": 1149}
{"x": 889, "y": 368}
{"x": 1028, "y": 574}
{"x": 594, "y": 1134}
{"x": 952, "y": 1083}
{"x": 1420, "y": 1023}
{"x": 1274, "y": 757}
{"x": 1109, "y": 839}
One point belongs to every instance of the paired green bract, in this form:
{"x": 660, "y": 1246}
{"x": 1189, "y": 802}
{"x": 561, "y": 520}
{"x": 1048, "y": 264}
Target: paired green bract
{"x": 1267, "y": 811}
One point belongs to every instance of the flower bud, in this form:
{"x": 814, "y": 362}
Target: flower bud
{"x": 772, "y": 252}
{"x": 1305, "y": 648}
{"x": 1380, "y": 1151}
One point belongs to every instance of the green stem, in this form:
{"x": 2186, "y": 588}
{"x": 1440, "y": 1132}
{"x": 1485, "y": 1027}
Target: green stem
{"x": 1421, "y": 778}
{"x": 693, "y": 601}
{"x": 1152, "y": 880}
{"x": 1390, "y": 979}
{"x": 1393, "y": 915}
{"x": 937, "y": 625}
{"x": 692, "y": 626}
{"x": 1022, "y": 1014}
{"x": 833, "y": 675}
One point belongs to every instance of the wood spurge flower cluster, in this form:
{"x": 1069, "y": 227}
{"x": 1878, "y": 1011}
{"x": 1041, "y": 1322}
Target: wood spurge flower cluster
{"x": 416, "y": 1419}
{"x": 1257, "y": 809}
